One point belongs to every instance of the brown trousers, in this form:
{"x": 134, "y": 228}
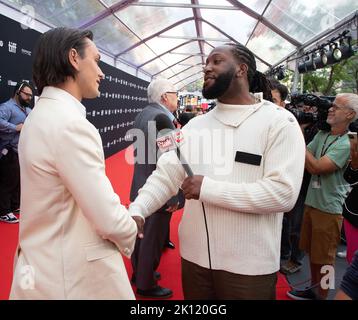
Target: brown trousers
{"x": 204, "y": 284}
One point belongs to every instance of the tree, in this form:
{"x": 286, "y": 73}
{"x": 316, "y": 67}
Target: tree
{"x": 194, "y": 86}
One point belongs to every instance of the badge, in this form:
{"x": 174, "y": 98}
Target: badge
{"x": 316, "y": 184}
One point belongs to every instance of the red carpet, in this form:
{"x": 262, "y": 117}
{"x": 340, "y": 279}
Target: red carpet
{"x": 120, "y": 174}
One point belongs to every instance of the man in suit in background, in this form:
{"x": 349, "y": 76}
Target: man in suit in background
{"x": 72, "y": 225}
{"x": 162, "y": 97}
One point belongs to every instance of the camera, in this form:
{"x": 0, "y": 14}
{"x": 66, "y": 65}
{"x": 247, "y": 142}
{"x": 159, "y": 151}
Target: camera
{"x": 318, "y": 116}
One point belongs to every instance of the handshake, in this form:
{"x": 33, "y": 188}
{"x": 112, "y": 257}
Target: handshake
{"x": 191, "y": 190}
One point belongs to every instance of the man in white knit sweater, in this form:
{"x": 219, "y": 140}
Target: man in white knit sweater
{"x": 247, "y": 157}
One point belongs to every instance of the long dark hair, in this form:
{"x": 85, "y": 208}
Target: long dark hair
{"x": 257, "y": 80}
{"x": 51, "y": 65}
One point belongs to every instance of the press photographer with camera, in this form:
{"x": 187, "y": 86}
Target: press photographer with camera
{"x": 326, "y": 158}
{"x": 279, "y": 93}
{"x": 291, "y": 255}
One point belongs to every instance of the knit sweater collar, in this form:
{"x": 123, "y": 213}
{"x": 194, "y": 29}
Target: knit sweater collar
{"x": 232, "y": 114}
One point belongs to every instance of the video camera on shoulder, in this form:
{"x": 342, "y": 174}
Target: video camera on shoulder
{"x": 318, "y": 116}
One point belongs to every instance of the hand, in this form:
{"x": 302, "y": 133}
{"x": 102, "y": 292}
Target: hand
{"x": 173, "y": 208}
{"x": 19, "y": 127}
{"x": 191, "y": 187}
{"x": 140, "y": 226}
{"x": 354, "y": 154}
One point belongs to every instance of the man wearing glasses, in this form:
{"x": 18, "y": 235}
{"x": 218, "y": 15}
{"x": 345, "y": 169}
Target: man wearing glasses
{"x": 157, "y": 116}
{"x": 12, "y": 116}
{"x": 326, "y": 159}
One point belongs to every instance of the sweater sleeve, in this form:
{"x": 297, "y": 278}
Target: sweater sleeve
{"x": 278, "y": 189}
{"x": 161, "y": 185}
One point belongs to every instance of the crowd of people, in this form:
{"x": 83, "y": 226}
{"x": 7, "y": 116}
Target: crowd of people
{"x": 259, "y": 189}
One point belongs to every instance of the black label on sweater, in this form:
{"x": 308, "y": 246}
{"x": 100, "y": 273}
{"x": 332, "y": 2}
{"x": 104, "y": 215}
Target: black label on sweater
{"x": 248, "y": 158}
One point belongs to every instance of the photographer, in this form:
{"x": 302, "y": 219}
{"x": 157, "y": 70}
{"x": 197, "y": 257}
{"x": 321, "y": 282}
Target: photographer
{"x": 291, "y": 255}
{"x": 279, "y": 93}
{"x": 326, "y": 158}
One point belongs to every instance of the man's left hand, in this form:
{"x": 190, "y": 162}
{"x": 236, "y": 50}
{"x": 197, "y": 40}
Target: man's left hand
{"x": 191, "y": 187}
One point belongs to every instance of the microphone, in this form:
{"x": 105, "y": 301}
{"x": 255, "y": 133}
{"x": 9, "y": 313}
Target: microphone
{"x": 172, "y": 141}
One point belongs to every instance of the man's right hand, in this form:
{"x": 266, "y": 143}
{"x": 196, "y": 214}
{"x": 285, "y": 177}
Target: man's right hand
{"x": 140, "y": 226}
{"x": 19, "y": 127}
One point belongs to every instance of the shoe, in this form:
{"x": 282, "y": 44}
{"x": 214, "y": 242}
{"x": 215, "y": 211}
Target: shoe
{"x": 290, "y": 267}
{"x": 342, "y": 254}
{"x": 306, "y": 294}
{"x": 170, "y": 245}
{"x": 157, "y": 292}
{"x": 9, "y": 218}
{"x": 157, "y": 277}
{"x": 17, "y": 211}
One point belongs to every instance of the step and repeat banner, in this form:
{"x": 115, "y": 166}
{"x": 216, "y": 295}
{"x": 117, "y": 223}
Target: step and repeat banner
{"x": 122, "y": 96}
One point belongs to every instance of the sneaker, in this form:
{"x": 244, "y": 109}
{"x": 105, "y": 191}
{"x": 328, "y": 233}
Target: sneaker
{"x": 342, "y": 254}
{"x": 290, "y": 267}
{"x": 9, "y": 218}
{"x": 306, "y": 294}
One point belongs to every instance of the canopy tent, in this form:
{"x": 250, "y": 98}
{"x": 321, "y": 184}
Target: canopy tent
{"x": 171, "y": 38}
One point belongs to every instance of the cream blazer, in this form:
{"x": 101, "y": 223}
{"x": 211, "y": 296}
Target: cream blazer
{"x": 72, "y": 224}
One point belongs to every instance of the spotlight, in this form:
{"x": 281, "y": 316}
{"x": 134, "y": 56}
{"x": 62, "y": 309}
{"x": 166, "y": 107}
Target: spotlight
{"x": 307, "y": 64}
{"x": 345, "y": 46}
{"x": 280, "y": 73}
{"x": 334, "y": 54}
{"x": 302, "y": 66}
{"x": 320, "y": 60}
{"x": 310, "y": 65}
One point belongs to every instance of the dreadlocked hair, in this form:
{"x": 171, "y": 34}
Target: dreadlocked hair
{"x": 260, "y": 84}
{"x": 257, "y": 80}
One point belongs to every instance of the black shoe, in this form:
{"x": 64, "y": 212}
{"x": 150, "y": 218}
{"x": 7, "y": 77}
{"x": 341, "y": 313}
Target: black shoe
{"x": 170, "y": 245}
{"x": 307, "y": 294}
{"x": 157, "y": 277}
{"x": 157, "y": 292}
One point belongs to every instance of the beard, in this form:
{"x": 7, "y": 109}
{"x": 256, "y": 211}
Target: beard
{"x": 220, "y": 86}
{"x": 24, "y": 103}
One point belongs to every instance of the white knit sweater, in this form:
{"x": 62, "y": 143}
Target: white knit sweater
{"x": 244, "y": 203}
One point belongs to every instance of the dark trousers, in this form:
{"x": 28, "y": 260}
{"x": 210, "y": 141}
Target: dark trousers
{"x": 9, "y": 182}
{"x": 204, "y": 284}
{"x": 291, "y": 226}
{"x": 148, "y": 251}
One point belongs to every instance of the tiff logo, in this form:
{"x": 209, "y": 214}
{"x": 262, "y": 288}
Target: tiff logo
{"x": 26, "y": 52}
{"x": 12, "y": 47}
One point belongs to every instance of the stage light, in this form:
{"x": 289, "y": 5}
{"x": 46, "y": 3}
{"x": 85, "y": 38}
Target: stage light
{"x": 310, "y": 65}
{"x": 334, "y": 54}
{"x": 280, "y": 73}
{"x": 302, "y": 66}
{"x": 320, "y": 60}
{"x": 345, "y": 46}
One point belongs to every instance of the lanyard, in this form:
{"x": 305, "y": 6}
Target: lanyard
{"x": 324, "y": 150}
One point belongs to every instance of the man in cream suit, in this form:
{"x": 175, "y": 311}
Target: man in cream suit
{"x": 73, "y": 226}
